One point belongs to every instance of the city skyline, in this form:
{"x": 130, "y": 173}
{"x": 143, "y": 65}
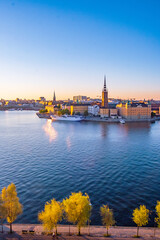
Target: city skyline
{"x": 68, "y": 46}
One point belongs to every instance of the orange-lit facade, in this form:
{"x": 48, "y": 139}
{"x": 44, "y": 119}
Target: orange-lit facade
{"x": 79, "y": 108}
{"x": 134, "y": 111}
{"x": 104, "y": 95}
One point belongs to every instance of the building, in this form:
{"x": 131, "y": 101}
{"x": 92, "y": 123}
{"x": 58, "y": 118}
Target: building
{"x": 104, "y": 95}
{"x": 104, "y": 112}
{"x": 93, "y": 110}
{"x": 40, "y": 99}
{"x": 54, "y": 98}
{"x": 52, "y": 109}
{"x": 79, "y": 108}
{"x": 79, "y": 98}
{"x": 134, "y": 110}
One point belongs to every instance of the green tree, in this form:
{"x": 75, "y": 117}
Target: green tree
{"x": 153, "y": 114}
{"x": 107, "y": 217}
{"x": 65, "y": 111}
{"x": 11, "y": 204}
{"x": 77, "y": 209}
{"x": 3, "y": 213}
{"x": 43, "y": 111}
{"x": 140, "y": 217}
{"x": 86, "y": 113}
{"x": 51, "y": 215}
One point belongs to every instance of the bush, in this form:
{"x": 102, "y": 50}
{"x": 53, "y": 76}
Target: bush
{"x": 43, "y": 111}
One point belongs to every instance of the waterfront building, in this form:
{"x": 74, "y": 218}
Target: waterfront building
{"x": 52, "y": 109}
{"x": 104, "y": 112}
{"x": 79, "y": 108}
{"x": 113, "y": 112}
{"x": 93, "y": 110}
{"x": 134, "y": 110}
{"x": 104, "y": 95}
{"x": 79, "y": 98}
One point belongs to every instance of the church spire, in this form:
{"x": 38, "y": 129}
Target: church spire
{"x": 104, "y": 83}
{"x": 54, "y": 97}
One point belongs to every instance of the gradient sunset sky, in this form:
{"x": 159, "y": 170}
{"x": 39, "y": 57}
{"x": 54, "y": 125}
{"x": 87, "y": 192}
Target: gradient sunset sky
{"x": 68, "y": 46}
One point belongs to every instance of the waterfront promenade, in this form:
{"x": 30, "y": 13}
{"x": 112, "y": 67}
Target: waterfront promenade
{"x": 96, "y": 232}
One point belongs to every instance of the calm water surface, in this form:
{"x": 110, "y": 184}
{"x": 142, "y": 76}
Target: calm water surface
{"x": 115, "y": 164}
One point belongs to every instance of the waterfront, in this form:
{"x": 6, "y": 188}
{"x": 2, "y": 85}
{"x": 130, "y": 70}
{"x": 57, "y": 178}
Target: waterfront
{"x": 115, "y": 164}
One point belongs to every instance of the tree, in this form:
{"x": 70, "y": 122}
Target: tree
{"x": 107, "y": 217}
{"x": 43, "y": 111}
{"x": 11, "y": 204}
{"x": 140, "y": 217}
{"x": 51, "y": 215}
{"x": 86, "y": 113}
{"x": 3, "y": 212}
{"x": 153, "y": 114}
{"x": 77, "y": 209}
{"x": 63, "y": 111}
{"x": 157, "y": 218}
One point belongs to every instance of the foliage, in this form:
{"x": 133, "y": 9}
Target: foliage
{"x": 78, "y": 113}
{"x": 51, "y": 215}
{"x": 3, "y": 213}
{"x": 11, "y": 204}
{"x": 77, "y": 209}
{"x": 86, "y": 113}
{"x": 153, "y": 114}
{"x": 157, "y": 219}
{"x": 63, "y": 112}
{"x": 43, "y": 111}
{"x": 107, "y": 217}
{"x": 140, "y": 216}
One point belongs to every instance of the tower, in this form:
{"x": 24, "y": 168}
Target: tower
{"x": 54, "y": 97}
{"x": 104, "y": 95}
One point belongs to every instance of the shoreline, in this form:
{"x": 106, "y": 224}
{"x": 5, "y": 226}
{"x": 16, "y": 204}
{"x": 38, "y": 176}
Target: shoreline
{"x": 98, "y": 119}
{"x": 96, "y": 232}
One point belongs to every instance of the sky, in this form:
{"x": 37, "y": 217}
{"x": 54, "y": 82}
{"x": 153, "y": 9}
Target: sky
{"x": 67, "y": 46}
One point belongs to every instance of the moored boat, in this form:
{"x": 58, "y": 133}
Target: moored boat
{"x": 66, "y": 118}
{"x": 122, "y": 121}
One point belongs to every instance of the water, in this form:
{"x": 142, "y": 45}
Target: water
{"x": 115, "y": 164}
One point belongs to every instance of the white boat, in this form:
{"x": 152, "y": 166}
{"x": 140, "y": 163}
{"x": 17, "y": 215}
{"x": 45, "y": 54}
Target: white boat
{"x": 122, "y": 121}
{"x": 66, "y": 118}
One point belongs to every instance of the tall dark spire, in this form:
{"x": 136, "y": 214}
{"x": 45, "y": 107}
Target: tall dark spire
{"x": 104, "y": 95}
{"x": 54, "y": 97}
{"x": 104, "y": 83}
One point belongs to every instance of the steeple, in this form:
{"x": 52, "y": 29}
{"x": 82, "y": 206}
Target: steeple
{"x": 104, "y": 95}
{"x": 104, "y": 88}
{"x": 54, "y": 97}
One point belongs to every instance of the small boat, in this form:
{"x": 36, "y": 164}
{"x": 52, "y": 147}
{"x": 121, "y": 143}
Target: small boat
{"x": 66, "y": 118}
{"x": 122, "y": 121}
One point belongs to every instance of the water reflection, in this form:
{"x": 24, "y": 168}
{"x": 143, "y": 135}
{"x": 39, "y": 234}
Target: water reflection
{"x": 50, "y": 131}
{"x": 104, "y": 129}
{"x": 68, "y": 141}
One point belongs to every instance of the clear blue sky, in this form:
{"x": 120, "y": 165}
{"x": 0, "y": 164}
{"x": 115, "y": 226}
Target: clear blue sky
{"x": 68, "y": 46}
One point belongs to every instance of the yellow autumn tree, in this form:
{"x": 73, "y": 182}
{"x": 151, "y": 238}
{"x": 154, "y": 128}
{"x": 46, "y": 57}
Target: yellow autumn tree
{"x": 107, "y": 217}
{"x": 157, "y": 218}
{"x": 3, "y": 212}
{"x": 51, "y": 215}
{"x": 140, "y": 217}
{"x": 77, "y": 209}
{"x": 11, "y": 203}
